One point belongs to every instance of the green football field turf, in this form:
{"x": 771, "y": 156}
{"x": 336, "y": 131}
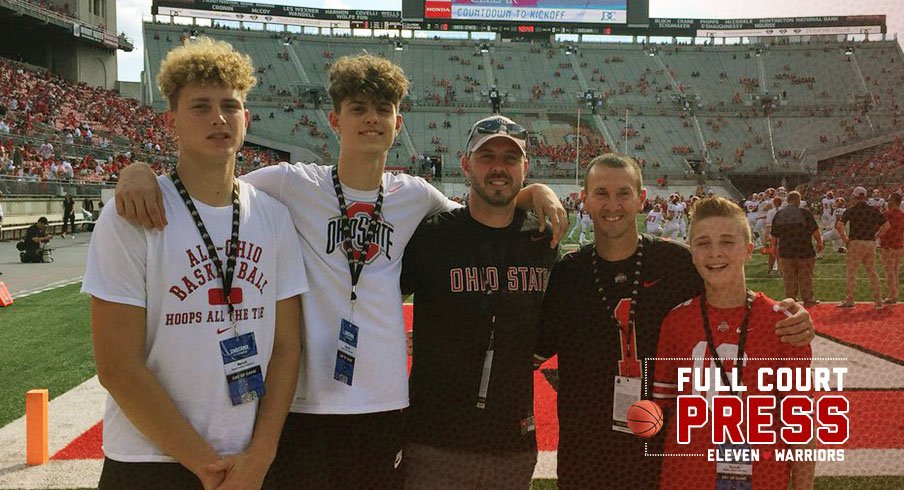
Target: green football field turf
{"x": 45, "y": 341}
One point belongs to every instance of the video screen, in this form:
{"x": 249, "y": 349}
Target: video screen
{"x": 560, "y": 11}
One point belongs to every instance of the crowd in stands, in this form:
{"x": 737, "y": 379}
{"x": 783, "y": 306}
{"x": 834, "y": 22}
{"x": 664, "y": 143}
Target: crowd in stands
{"x": 567, "y": 152}
{"x": 883, "y": 171}
{"x": 51, "y": 128}
{"x": 96, "y": 132}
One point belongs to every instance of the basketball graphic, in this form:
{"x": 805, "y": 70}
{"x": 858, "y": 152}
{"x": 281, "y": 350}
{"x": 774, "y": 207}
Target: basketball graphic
{"x": 645, "y": 418}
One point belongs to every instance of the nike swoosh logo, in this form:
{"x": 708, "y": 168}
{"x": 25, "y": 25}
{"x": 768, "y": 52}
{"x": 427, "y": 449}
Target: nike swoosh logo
{"x": 396, "y": 187}
{"x": 221, "y": 330}
{"x": 649, "y": 284}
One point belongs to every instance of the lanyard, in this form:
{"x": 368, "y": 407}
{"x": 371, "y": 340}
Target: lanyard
{"x": 211, "y": 249}
{"x": 356, "y": 262}
{"x": 635, "y": 291}
{"x": 739, "y": 362}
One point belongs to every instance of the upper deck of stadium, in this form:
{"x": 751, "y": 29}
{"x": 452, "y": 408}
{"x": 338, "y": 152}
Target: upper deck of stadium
{"x": 744, "y": 109}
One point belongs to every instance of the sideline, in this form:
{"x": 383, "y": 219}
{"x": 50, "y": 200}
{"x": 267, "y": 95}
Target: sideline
{"x": 48, "y": 287}
{"x": 69, "y": 416}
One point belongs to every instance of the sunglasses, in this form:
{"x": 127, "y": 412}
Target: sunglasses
{"x": 498, "y": 126}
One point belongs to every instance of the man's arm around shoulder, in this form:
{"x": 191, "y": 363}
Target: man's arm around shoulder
{"x": 543, "y": 201}
{"x": 138, "y": 196}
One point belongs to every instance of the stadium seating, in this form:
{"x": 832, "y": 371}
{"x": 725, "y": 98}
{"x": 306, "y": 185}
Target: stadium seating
{"x": 744, "y": 109}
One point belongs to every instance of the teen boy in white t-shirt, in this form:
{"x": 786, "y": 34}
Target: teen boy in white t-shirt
{"x": 195, "y": 327}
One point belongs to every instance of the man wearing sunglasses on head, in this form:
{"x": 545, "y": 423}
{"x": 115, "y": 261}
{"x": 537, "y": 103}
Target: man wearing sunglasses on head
{"x": 353, "y": 220}
{"x": 478, "y": 274}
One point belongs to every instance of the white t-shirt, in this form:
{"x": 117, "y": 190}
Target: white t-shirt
{"x": 169, "y": 274}
{"x": 380, "y": 380}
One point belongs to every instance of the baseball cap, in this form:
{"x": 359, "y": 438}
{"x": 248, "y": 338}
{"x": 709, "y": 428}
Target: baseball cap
{"x": 496, "y": 127}
{"x": 860, "y": 191}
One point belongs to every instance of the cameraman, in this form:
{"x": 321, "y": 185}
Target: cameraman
{"x": 35, "y": 238}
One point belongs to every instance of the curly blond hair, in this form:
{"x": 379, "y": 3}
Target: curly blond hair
{"x": 367, "y": 75}
{"x": 204, "y": 61}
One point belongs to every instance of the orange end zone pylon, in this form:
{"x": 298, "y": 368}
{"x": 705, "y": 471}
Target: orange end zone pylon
{"x": 36, "y": 427}
{"x": 6, "y": 299}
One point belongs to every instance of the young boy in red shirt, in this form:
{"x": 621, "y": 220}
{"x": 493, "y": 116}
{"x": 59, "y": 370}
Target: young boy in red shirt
{"x": 727, "y": 322}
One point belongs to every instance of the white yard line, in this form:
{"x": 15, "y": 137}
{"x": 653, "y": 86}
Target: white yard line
{"x": 48, "y": 287}
{"x": 546, "y": 465}
{"x": 69, "y": 416}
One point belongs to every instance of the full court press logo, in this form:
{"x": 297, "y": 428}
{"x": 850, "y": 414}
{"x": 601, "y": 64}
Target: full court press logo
{"x": 788, "y": 414}
{"x": 750, "y": 428}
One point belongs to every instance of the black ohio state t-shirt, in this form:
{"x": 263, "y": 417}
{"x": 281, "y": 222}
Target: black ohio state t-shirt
{"x": 470, "y": 280}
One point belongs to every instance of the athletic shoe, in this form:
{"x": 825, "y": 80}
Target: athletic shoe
{"x": 842, "y": 250}
{"x": 878, "y": 305}
{"x": 846, "y": 304}
{"x": 890, "y": 301}
{"x": 810, "y": 304}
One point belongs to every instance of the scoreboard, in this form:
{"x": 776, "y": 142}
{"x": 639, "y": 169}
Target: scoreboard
{"x": 534, "y": 11}
{"x": 513, "y": 17}
{"x": 521, "y": 18}
{"x": 281, "y": 14}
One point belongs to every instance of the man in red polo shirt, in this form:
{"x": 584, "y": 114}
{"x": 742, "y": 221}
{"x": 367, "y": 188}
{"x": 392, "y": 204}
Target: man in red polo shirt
{"x": 892, "y": 246}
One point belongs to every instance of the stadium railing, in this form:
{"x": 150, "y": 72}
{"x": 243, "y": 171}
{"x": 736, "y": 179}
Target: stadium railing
{"x": 21, "y": 187}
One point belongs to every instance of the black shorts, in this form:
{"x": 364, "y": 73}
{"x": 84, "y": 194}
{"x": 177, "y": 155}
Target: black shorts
{"x": 117, "y": 475}
{"x": 339, "y": 452}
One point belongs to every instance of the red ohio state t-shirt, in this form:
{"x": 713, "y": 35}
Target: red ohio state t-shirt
{"x": 683, "y": 336}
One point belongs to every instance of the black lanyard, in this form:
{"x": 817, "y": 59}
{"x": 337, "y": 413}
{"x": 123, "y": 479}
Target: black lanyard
{"x": 635, "y": 291}
{"x": 739, "y": 361}
{"x": 356, "y": 264}
{"x": 231, "y": 254}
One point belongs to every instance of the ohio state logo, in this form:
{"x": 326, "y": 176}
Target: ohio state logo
{"x": 359, "y": 214}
